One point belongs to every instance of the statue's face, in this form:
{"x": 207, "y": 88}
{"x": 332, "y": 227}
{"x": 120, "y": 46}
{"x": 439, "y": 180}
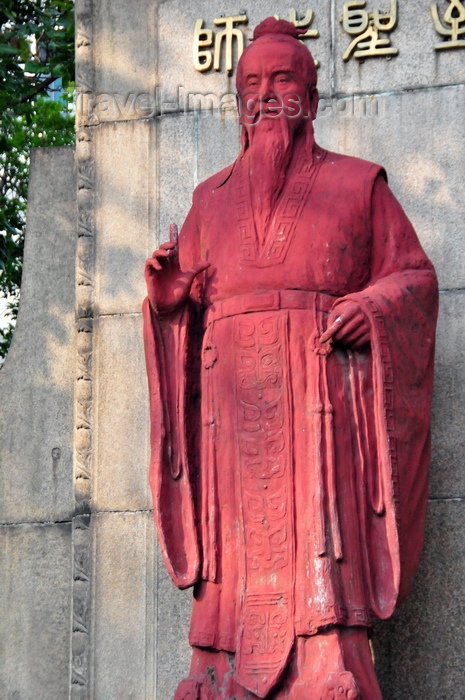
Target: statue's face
{"x": 273, "y": 86}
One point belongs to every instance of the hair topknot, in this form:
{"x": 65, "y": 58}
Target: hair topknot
{"x": 273, "y": 26}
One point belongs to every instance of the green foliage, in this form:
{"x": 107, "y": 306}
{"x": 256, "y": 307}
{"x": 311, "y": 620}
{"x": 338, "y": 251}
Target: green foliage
{"x": 36, "y": 48}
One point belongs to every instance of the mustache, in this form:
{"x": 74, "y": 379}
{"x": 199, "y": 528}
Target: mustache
{"x": 253, "y": 109}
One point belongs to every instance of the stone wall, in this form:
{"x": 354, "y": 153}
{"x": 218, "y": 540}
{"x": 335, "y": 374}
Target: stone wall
{"x": 83, "y": 571}
{"x": 36, "y": 445}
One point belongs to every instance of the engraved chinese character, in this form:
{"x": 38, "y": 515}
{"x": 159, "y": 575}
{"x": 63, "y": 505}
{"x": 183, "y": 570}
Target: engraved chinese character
{"x": 455, "y": 18}
{"x": 203, "y": 59}
{"x": 365, "y": 27}
{"x": 229, "y": 33}
{"x": 303, "y": 23}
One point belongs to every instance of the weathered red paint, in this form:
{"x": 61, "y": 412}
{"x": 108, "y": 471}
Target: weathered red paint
{"x": 290, "y": 373}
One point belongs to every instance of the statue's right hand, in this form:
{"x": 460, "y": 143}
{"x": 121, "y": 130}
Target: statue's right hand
{"x": 167, "y": 286}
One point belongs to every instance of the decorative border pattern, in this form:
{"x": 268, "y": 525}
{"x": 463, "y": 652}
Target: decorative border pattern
{"x": 274, "y": 248}
{"x": 80, "y": 633}
{"x": 387, "y": 398}
{"x": 79, "y": 685}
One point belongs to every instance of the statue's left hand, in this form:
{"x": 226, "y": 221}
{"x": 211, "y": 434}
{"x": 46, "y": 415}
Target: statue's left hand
{"x": 348, "y": 324}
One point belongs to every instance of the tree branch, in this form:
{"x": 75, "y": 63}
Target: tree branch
{"x": 39, "y": 88}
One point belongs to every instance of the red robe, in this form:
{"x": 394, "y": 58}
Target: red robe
{"x": 289, "y": 483}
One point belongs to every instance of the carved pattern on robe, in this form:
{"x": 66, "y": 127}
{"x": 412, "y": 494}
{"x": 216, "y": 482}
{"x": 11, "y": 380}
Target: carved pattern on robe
{"x": 265, "y": 464}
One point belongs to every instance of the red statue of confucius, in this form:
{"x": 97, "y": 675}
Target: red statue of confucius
{"x": 289, "y": 341}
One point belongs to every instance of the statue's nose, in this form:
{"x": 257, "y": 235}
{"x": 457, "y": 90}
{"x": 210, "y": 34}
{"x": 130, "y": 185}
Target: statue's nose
{"x": 268, "y": 95}
{"x": 266, "y": 91}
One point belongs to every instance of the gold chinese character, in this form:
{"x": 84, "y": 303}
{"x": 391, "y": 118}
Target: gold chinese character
{"x": 204, "y": 58}
{"x": 228, "y": 34}
{"x": 454, "y": 17}
{"x": 202, "y": 37}
{"x": 303, "y": 23}
{"x": 366, "y": 26}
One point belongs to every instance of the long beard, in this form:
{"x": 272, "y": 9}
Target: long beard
{"x": 269, "y": 155}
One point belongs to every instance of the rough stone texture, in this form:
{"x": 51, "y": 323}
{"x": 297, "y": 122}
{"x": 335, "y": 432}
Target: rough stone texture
{"x": 177, "y": 171}
{"x": 123, "y": 606}
{"x": 121, "y": 415}
{"x": 208, "y": 145}
{"x": 418, "y": 64}
{"x": 447, "y": 472}
{"x": 36, "y": 382}
{"x": 414, "y": 135}
{"x": 173, "y": 650}
{"x": 134, "y": 630}
{"x": 125, "y": 196}
{"x": 125, "y": 61}
{"x": 138, "y": 615}
{"x": 419, "y": 652}
{"x": 35, "y": 611}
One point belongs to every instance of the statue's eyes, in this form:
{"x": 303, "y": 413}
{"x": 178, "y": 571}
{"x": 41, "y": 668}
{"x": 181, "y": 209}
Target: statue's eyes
{"x": 283, "y": 79}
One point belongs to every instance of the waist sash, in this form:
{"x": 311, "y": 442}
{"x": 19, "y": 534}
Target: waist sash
{"x": 267, "y": 301}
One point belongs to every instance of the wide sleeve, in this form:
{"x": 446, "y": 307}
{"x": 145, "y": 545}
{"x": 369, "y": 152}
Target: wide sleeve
{"x": 401, "y": 302}
{"x": 171, "y": 351}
